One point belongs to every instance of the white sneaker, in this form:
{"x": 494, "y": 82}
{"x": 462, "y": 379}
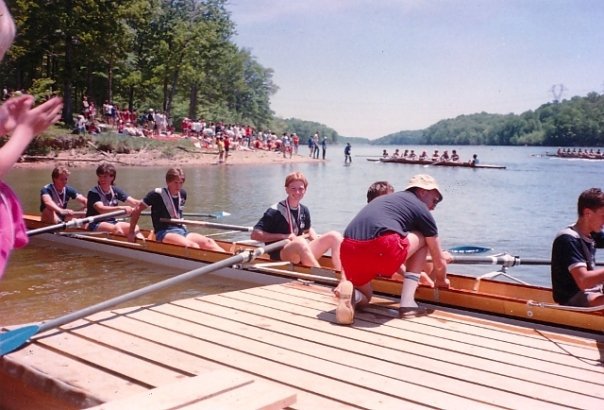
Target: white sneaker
{"x": 345, "y": 308}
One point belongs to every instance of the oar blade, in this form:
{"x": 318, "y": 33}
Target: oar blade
{"x": 469, "y": 249}
{"x": 14, "y": 339}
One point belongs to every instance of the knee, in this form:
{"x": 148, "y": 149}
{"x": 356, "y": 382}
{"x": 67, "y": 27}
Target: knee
{"x": 335, "y": 237}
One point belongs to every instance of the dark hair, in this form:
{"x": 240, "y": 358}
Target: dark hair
{"x": 379, "y": 188}
{"x": 592, "y": 198}
{"x": 174, "y": 174}
{"x": 58, "y": 171}
{"x": 104, "y": 169}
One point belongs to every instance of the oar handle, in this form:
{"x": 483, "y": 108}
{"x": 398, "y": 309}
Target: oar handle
{"x": 209, "y": 224}
{"x": 75, "y": 223}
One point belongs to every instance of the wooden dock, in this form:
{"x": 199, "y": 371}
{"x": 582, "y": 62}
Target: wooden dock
{"x": 277, "y": 346}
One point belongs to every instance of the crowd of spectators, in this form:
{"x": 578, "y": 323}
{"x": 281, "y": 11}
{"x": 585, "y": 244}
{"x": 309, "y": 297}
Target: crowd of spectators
{"x": 208, "y": 134}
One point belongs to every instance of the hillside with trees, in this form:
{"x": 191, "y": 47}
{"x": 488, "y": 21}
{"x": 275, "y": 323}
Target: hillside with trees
{"x": 578, "y": 122}
{"x": 174, "y": 56}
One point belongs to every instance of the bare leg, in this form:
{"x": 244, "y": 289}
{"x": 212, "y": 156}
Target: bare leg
{"x": 204, "y": 242}
{"x": 299, "y": 251}
{"x": 49, "y": 216}
{"x": 328, "y": 241}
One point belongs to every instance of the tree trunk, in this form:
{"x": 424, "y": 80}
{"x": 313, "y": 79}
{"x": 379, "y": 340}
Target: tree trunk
{"x": 67, "y": 91}
{"x": 193, "y": 102}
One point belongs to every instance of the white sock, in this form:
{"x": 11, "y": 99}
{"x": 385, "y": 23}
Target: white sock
{"x": 408, "y": 292}
{"x": 357, "y": 296}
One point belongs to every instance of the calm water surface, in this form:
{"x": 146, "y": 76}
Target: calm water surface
{"x": 517, "y": 210}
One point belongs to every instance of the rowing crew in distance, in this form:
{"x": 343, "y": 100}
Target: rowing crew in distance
{"x": 424, "y": 157}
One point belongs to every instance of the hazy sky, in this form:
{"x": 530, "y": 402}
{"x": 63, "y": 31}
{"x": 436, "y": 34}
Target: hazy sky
{"x": 368, "y": 68}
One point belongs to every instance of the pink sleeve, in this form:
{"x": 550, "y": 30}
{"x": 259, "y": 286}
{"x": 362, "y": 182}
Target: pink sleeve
{"x": 13, "y": 233}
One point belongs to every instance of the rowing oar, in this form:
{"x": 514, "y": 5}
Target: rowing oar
{"x": 227, "y": 227}
{"x": 504, "y": 259}
{"x": 75, "y": 223}
{"x": 215, "y": 215}
{"x": 13, "y": 339}
{"x": 465, "y": 249}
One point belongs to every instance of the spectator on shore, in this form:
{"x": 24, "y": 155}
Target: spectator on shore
{"x": 324, "y": 147}
{"x": 347, "y": 156}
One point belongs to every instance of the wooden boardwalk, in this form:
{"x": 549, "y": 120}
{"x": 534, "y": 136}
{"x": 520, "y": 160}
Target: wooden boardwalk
{"x": 277, "y": 346}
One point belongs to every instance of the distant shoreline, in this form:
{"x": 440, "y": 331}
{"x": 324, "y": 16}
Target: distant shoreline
{"x": 154, "y": 158}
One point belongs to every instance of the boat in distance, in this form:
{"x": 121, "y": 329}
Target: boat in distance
{"x": 481, "y": 294}
{"x": 435, "y": 163}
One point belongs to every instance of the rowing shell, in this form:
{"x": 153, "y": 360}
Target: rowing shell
{"x": 482, "y": 294}
{"x": 437, "y": 163}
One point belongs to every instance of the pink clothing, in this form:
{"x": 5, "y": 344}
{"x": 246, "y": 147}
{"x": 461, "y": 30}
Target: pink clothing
{"x": 13, "y": 233}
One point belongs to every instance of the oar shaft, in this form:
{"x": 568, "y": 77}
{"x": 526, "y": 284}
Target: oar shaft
{"x": 75, "y": 223}
{"x": 209, "y": 224}
{"x": 506, "y": 260}
{"x": 245, "y": 256}
{"x": 216, "y": 215}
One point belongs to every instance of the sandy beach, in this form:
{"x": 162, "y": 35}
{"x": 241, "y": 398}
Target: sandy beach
{"x": 154, "y": 158}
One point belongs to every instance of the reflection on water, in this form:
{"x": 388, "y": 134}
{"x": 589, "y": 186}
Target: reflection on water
{"x": 517, "y": 210}
{"x": 46, "y": 281}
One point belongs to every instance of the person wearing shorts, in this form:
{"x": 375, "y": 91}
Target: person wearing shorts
{"x": 104, "y": 198}
{"x": 167, "y": 203}
{"x": 391, "y": 231}
{"x": 575, "y": 279}
{"x": 290, "y": 219}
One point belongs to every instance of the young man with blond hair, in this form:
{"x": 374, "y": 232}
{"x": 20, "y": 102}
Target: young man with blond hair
{"x": 289, "y": 219}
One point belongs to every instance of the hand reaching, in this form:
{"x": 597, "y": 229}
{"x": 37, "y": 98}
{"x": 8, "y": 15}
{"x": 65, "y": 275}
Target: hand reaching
{"x": 39, "y": 118}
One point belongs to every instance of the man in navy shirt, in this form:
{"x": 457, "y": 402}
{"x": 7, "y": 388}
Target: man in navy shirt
{"x": 391, "y": 231}
{"x": 575, "y": 279}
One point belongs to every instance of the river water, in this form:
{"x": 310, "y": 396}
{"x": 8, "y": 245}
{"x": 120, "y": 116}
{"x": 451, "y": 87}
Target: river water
{"x": 516, "y": 210}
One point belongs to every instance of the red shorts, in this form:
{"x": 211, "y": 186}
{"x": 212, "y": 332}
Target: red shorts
{"x": 364, "y": 260}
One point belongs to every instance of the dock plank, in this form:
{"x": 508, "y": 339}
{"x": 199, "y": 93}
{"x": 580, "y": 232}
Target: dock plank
{"x": 311, "y": 367}
{"x": 268, "y": 346}
{"x": 435, "y": 373}
{"x": 540, "y": 345}
{"x": 186, "y": 339}
{"x": 414, "y": 356}
{"x": 216, "y": 389}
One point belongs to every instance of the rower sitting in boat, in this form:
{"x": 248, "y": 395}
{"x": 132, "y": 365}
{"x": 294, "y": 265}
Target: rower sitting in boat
{"x": 55, "y": 196}
{"x": 445, "y": 156}
{"x": 575, "y": 280}
{"x": 412, "y": 155}
{"x": 289, "y": 219}
{"x": 436, "y": 155}
{"x": 474, "y": 161}
{"x": 385, "y": 154}
{"x": 454, "y": 156}
{"x": 167, "y": 203}
{"x": 424, "y": 156}
{"x": 396, "y": 153}
{"x": 104, "y": 198}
